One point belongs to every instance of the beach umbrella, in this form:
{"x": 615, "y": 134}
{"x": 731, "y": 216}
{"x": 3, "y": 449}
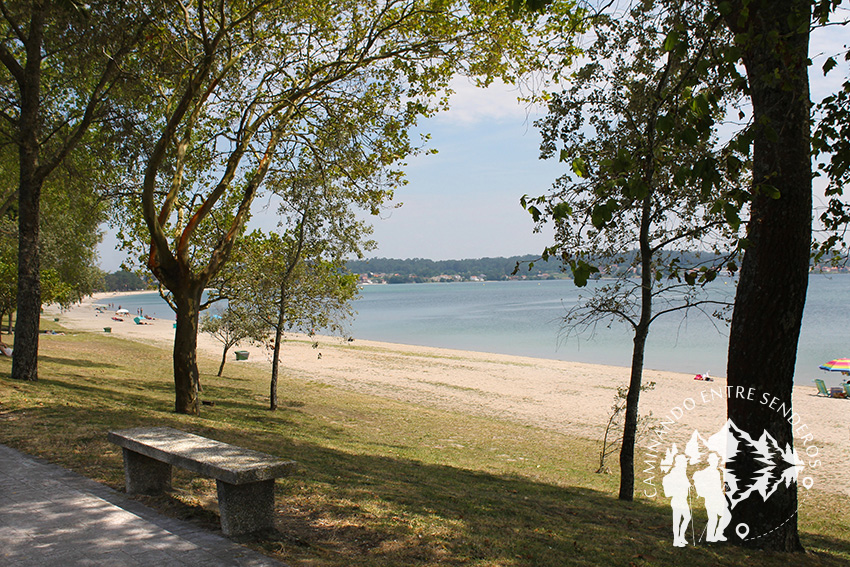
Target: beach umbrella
{"x": 837, "y": 365}
{"x": 122, "y": 312}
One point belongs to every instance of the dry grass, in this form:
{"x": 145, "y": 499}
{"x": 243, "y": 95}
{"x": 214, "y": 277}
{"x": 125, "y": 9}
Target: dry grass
{"x": 381, "y": 483}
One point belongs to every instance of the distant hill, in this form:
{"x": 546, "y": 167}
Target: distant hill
{"x": 122, "y": 280}
{"x": 394, "y": 270}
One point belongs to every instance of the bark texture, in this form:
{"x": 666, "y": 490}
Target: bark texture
{"x": 31, "y": 180}
{"x": 774, "y": 273}
{"x": 627, "y": 452}
{"x": 187, "y": 400}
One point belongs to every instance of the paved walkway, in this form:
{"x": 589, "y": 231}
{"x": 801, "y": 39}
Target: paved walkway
{"x": 51, "y": 517}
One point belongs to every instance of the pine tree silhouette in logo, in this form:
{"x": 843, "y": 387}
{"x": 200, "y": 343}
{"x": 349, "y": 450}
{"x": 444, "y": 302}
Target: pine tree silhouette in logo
{"x": 777, "y": 465}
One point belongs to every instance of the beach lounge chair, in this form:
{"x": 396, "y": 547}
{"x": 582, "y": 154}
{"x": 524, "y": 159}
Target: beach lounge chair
{"x": 821, "y": 388}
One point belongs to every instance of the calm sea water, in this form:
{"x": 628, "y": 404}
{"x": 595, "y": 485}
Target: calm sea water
{"x": 525, "y": 318}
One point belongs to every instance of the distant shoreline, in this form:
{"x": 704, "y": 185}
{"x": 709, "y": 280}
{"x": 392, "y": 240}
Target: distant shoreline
{"x": 97, "y": 296}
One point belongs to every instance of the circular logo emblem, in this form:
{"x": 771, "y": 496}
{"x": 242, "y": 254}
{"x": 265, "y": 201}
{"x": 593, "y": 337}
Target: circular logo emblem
{"x": 699, "y": 469}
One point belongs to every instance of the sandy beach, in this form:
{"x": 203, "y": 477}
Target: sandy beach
{"x": 571, "y": 398}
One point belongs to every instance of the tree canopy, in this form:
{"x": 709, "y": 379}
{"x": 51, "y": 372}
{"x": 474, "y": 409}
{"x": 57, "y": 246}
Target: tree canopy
{"x": 238, "y": 90}
{"x": 58, "y": 63}
{"x": 637, "y": 128}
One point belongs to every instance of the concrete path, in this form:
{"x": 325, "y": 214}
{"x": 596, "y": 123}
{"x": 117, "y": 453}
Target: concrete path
{"x": 51, "y": 517}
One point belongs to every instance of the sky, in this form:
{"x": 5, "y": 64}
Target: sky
{"x": 463, "y": 202}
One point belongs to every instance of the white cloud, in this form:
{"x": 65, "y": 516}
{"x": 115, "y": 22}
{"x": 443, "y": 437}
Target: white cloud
{"x": 470, "y": 104}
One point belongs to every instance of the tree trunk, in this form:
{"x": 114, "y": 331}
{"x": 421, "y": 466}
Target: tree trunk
{"x": 25, "y": 358}
{"x": 278, "y": 340}
{"x": 223, "y": 359}
{"x": 627, "y": 451}
{"x": 774, "y": 273}
{"x": 186, "y": 375}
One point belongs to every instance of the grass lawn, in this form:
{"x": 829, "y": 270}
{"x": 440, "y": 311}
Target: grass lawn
{"x": 380, "y": 483}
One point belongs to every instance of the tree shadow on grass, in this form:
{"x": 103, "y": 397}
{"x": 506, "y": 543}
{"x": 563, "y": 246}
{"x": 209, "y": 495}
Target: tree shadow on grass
{"x": 153, "y": 397}
{"x": 346, "y": 508}
{"x": 821, "y": 541}
{"x": 379, "y": 510}
{"x": 77, "y": 362}
{"x": 351, "y": 509}
{"x": 147, "y": 394}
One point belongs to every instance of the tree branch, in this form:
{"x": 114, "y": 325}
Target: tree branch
{"x": 98, "y": 94}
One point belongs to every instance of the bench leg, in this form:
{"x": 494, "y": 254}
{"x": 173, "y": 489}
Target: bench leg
{"x": 246, "y": 508}
{"x": 143, "y": 475}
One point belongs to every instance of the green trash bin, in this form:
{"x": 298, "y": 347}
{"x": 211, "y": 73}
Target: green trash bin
{"x": 241, "y": 355}
{"x": 107, "y": 329}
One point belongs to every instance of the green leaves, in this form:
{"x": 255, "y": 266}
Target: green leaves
{"x": 701, "y": 105}
{"x": 520, "y": 6}
{"x": 529, "y": 205}
{"x": 561, "y": 211}
{"x": 688, "y": 136}
{"x": 730, "y": 212}
{"x": 602, "y": 213}
{"x": 671, "y": 41}
{"x": 734, "y": 165}
{"x": 829, "y": 65}
{"x": 822, "y": 9}
{"x": 636, "y": 132}
{"x": 703, "y": 275}
{"x": 831, "y": 144}
{"x": 579, "y": 167}
{"x": 664, "y": 125}
{"x": 582, "y": 271}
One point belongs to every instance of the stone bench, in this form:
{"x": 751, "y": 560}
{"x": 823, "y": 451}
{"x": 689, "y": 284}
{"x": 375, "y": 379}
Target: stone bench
{"x": 244, "y": 478}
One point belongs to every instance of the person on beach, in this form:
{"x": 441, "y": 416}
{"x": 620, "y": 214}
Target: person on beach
{"x": 676, "y": 487}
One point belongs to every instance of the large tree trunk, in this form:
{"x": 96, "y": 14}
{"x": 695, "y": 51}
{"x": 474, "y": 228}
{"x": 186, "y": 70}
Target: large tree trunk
{"x": 774, "y": 273}
{"x": 25, "y": 358}
{"x": 186, "y": 375}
